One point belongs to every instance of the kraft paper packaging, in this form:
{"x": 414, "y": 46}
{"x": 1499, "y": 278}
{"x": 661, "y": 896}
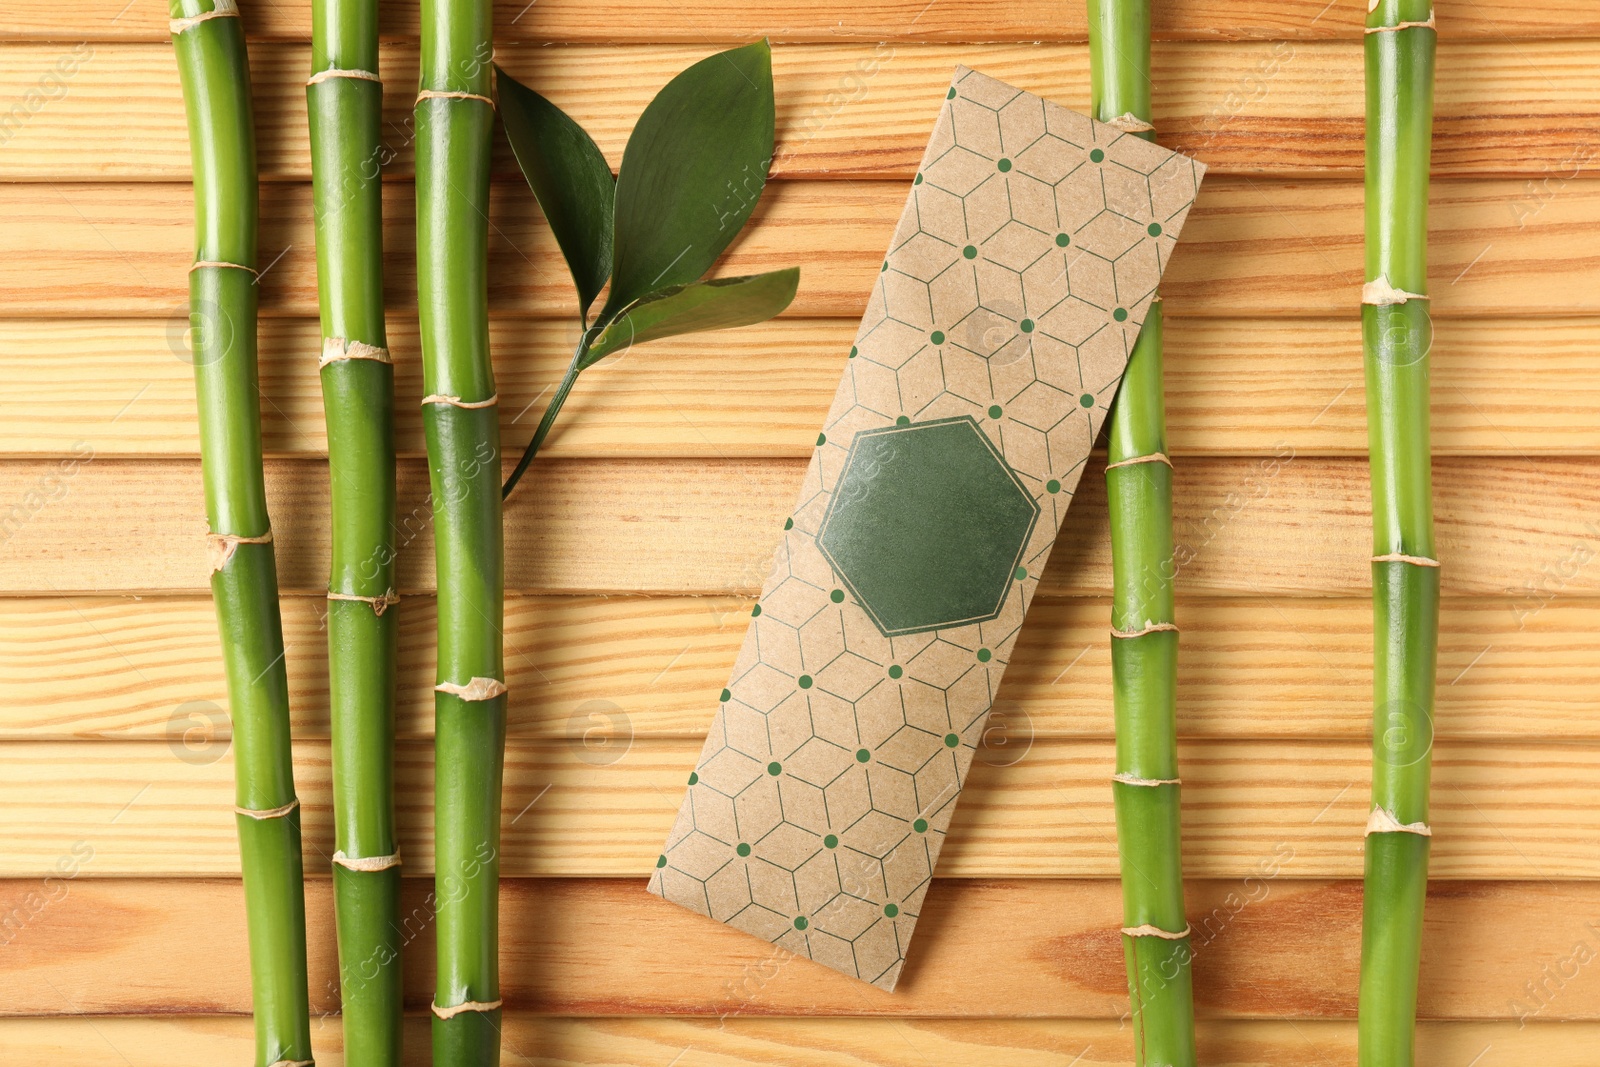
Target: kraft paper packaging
{"x": 1026, "y": 258}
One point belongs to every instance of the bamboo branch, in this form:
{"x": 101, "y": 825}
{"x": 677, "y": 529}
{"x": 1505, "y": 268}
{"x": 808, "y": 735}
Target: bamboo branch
{"x": 1144, "y": 645}
{"x": 454, "y": 123}
{"x": 1397, "y": 333}
{"x": 344, "y": 101}
{"x": 208, "y": 40}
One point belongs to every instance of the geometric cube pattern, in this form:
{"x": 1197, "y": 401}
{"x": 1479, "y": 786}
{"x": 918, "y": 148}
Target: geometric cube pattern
{"x": 1026, "y": 258}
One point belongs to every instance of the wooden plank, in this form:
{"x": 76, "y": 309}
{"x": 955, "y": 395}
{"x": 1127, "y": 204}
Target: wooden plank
{"x": 149, "y": 808}
{"x": 159, "y": 1041}
{"x": 128, "y": 388}
{"x": 1518, "y": 528}
{"x": 606, "y": 669}
{"x": 1252, "y": 247}
{"x": 914, "y": 20}
{"x": 848, "y": 109}
{"x": 605, "y": 947}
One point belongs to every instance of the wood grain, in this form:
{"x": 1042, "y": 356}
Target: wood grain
{"x": 762, "y": 391}
{"x": 849, "y": 110}
{"x": 601, "y": 670}
{"x": 157, "y": 1042}
{"x": 1252, "y": 246}
{"x": 154, "y": 808}
{"x": 733, "y": 20}
{"x": 606, "y": 947}
{"x": 1519, "y": 528}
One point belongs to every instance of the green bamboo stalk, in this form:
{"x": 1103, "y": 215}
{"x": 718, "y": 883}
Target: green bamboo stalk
{"x": 454, "y": 121}
{"x": 1144, "y": 646}
{"x": 344, "y": 102}
{"x": 208, "y": 41}
{"x": 1397, "y": 334}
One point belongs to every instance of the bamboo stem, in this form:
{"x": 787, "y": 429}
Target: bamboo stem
{"x": 1397, "y": 333}
{"x": 209, "y": 44}
{"x": 453, "y": 139}
{"x": 345, "y": 108}
{"x": 1144, "y": 667}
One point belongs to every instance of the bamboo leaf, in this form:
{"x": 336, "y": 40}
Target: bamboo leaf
{"x": 570, "y": 178}
{"x": 691, "y": 173}
{"x": 716, "y": 304}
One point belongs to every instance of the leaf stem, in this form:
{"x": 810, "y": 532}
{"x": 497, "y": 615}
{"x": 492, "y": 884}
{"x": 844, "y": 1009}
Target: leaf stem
{"x": 552, "y": 409}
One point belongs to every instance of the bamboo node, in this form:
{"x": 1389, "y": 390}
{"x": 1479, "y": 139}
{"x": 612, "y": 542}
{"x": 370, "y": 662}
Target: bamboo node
{"x": 222, "y": 9}
{"x": 457, "y": 402}
{"x": 270, "y": 813}
{"x": 197, "y": 264}
{"x": 446, "y": 94}
{"x": 1155, "y": 931}
{"x": 367, "y": 863}
{"x": 1383, "y": 821}
{"x": 1149, "y": 628}
{"x": 1372, "y": 6}
{"x": 1134, "y": 779}
{"x": 1401, "y": 557}
{"x": 466, "y": 1005}
{"x": 1380, "y": 293}
{"x": 1154, "y": 457}
{"x": 337, "y": 348}
{"x": 337, "y": 72}
{"x": 1128, "y": 122}
{"x": 380, "y": 604}
{"x": 477, "y": 689}
{"x": 223, "y": 546}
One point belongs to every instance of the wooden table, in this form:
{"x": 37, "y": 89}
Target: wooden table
{"x": 635, "y": 546}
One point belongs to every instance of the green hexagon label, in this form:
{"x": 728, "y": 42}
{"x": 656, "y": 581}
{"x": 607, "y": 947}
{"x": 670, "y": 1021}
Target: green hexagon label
{"x": 927, "y": 525}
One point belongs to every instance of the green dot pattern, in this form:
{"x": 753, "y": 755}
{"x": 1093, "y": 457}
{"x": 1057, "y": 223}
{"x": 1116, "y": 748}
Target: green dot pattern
{"x": 951, "y": 740}
{"x": 920, "y": 826}
{"x": 1004, "y": 166}
{"x": 837, "y": 596}
{"x": 1062, "y": 240}
{"x": 937, "y": 337}
{"x": 895, "y": 670}
{"x": 1097, "y": 156}
{"x": 806, "y": 681}
{"x": 694, "y": 777}
{"x": 862, "y": 755}
{"x": 1154, "y": 229}
{"x": 661, "y": 861}
{"x": 800, "y": 923}
{"x": 774, "y": 768}
{"x": 902, "y": 420}
{"x": 984, "y": 655}
{"x": 891, "y": 910}
{"x": 970, "y": 252}
{"x": 1052, "y": 487}
{"x": 1020, "y": 573}
{"x": 1026, "y": 325}
{"x": 1121, "y": 314}
{"x": 995, "y": 411}
{"x": 743, "y": 849}
{"x": 831, "y": 841}
{"x": 1086, "y": 400}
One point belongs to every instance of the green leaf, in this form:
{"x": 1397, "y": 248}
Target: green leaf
{"x": 692, "y": 173}
{"x": 569, "y": 177}
{"x": 717, "y": 304}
